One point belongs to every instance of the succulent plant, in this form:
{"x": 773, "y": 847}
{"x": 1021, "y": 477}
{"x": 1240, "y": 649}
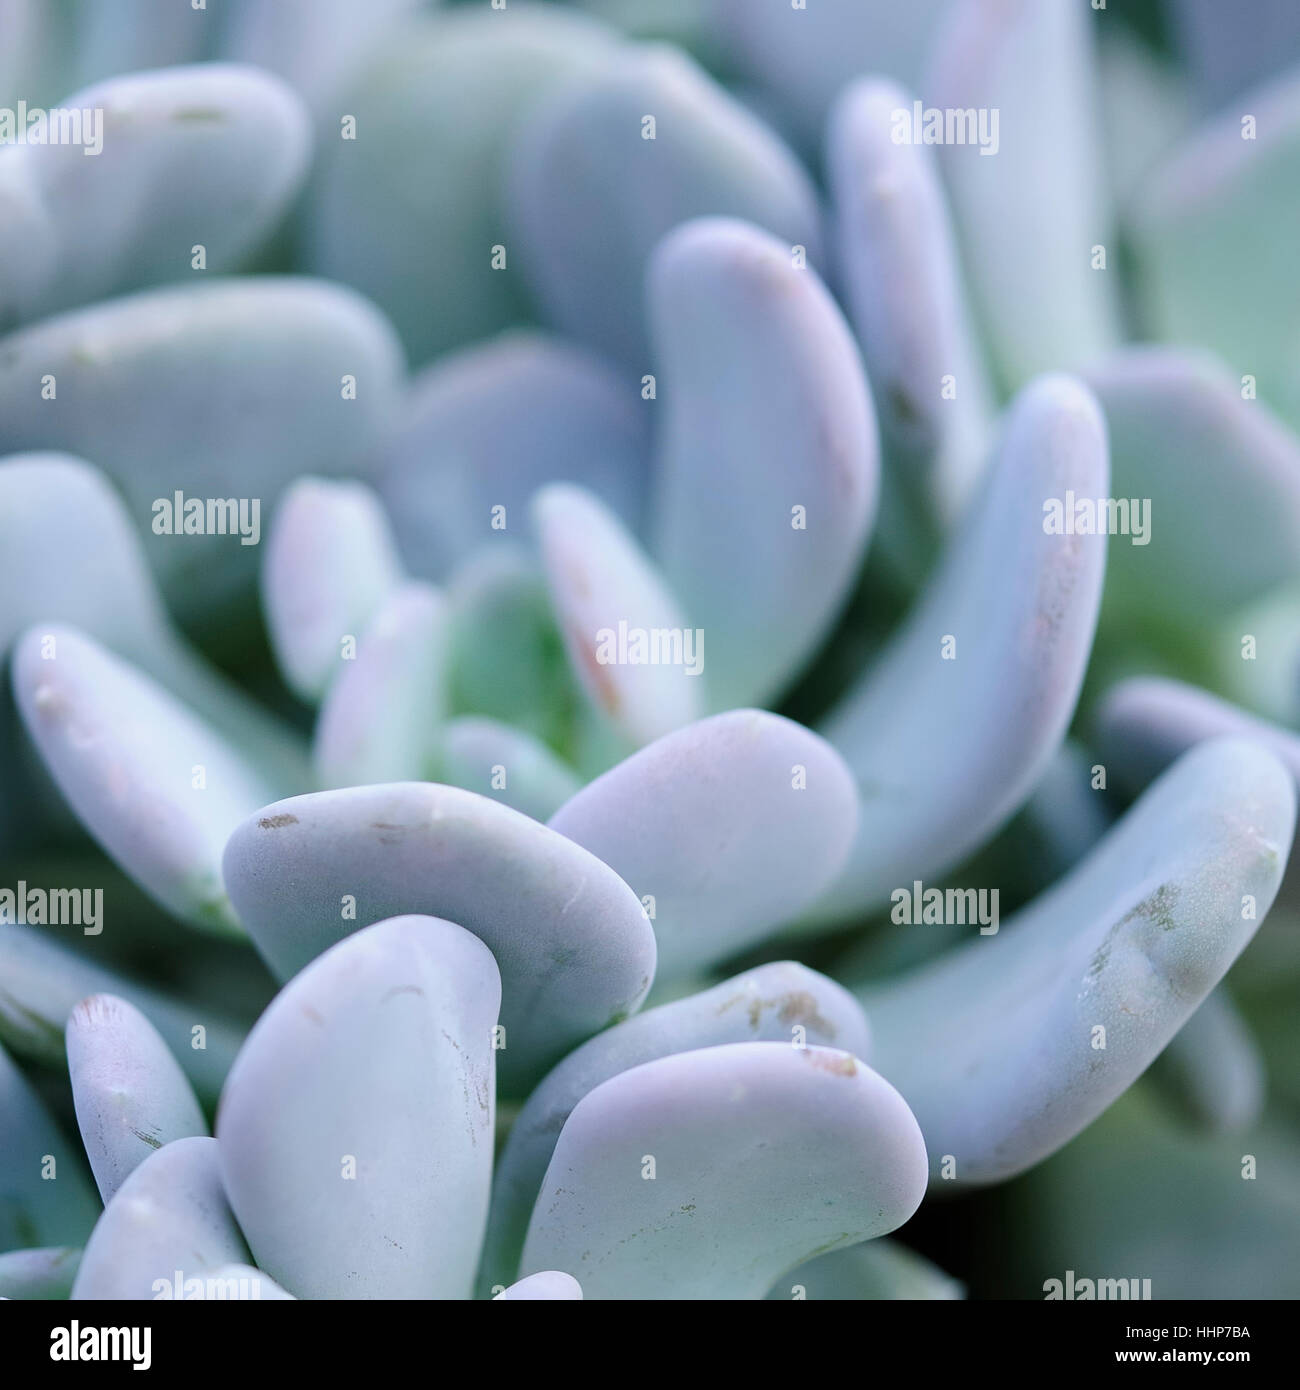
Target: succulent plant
{"x": 561, "y": 561}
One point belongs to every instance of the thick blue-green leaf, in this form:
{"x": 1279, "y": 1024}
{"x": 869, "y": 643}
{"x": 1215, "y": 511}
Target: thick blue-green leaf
{"x": 726, "y": 829}
{"x": 158, "y": 788}
{"x": 1217, "y": 477}
{"x": 380, "y": 719}
{"x": 594, "y": 186}
{"x": 872, "y": 1270}
{"x": 45, "y": 1273}
{"x": 709, "y": 1174}
{"x": 170, "y": 1216}
{"x": 953, "y": 726}
{"x": 410, "y": 208}
{"x": 355, "y": 1128}
{"x": 42, "y": 982}
{"x": 898, "y": 263}
{"x": 506, "y": 764}
{"x": 641, "y": 668}
{"x": 224, "y": 390}
{"x": 131, "y": 1095}
{"x": 804, "y": 55}
{"x": 1011, "y": 1045}
{"x": 782, "y": 1002}
{"x": 486, "y": 427}
{"x": 548, "y": 1285}
{"x": 1212, "y": 270}
{"x": 576, "y": 950}
{"x": 74, "y": 556}
{"x": 1028, "y": 195}
{"x": 767, "y": 464}
{"x": 208, "y": 156}
{"x": 314, "y": 45}
{"x": 330, "y": 562}
{"x": 1212, "y": 1070}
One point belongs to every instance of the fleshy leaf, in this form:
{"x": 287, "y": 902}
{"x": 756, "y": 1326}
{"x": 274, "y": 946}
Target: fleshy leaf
{"x": 314, "y": 45}
{"x": 130, "y": 1094}
{"x": 410, "y": 208}
{"x": 767, "y": 464}
{"x": 356, "y": 1124}
{"x": 157, "y": 788}
{"x": 903, "y": 285}
{"x": 225, "y": 390}
{"x": 68, "y": 534}
{"x": 506, "y": 764}
{"x": 487, "y": 427}
{"x": 209, "y": 155}
{"x": 1218, "y": 478}
{"x": 331, "y": 560}
{"x": 591, "y": 193}
{"x": 1230, "y": 49}
{"x": 781, "y": 1002}
{"x": 1210, "y": 270}
{"x": 1146, "y": 723}
{"x": 576, "y": 950}
{"x": 36, "y": 1210}
{"x": 871, "y": 1270}
{"x": 42, "y": 982}
{"x": 998, "y": 1046}
{"x": 380, "y": 719}
{"x": 953, "y": 726}
{"x": 169, "y": 1216}
{"x": 642, "y": 670}
{"x": 763, "y": 1155}
{"x": 806, "y": 55}
{"x": 41, "y": 1274}
{"x": 243, "y": 1282}
{"x": 732, "y": 826}
{"x": 1028, "y": 195}
{"x": 548, "y": 1284}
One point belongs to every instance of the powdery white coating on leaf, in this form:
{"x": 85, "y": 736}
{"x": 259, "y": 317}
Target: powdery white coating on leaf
{"x": 765, "y": 1155}
{"x": 330, "y": 561}
{"x": 170, "y": 1214}
{"x": 130, "y": 1094}
{"x": 994, "y": 1044}
{"x": 873, "y": 1270}
{"x": 781, "y": 1002}
{"x": 574, "y": 947}
{"x": 945, "y": 749}
{"x": 356, "y": 1124}
{"x": 590, "y": 195}
{"x": 733, "y": 825}
{"x": 601, "y": 585}
{"x": 243, "y": 1282}
{"x": 766, "y": 464}
{"x": 159, "y": 790}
